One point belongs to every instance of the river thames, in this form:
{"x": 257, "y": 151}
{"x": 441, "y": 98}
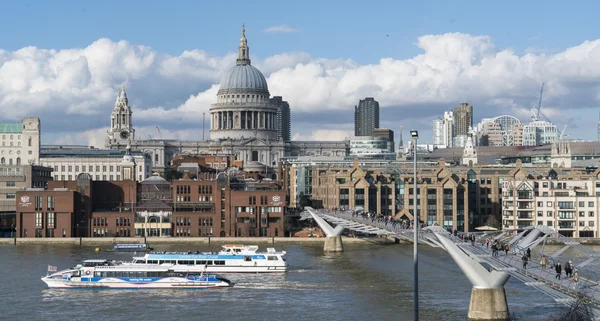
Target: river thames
{"x": 366, "y": 282}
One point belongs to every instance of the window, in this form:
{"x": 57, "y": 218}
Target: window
{"x": 62, "y": 168}
{"x": 549, "y": 204}
{"x": 591, "y": 223}
{"x": 591, "y": 214}
{"x": 70, "y": 168}
{"x": 581, "y": 223}
{"x": 10, "y": 196}
{"x": 83, "y": 168}
{"x": 29, "y": 142}
{"x": 38, "y": 203}
{"x": 545, "y": 184}
{"x": 581, "y": 204}
{"x": 111, "y": 168}
{"x": 540, "y": 204}
{"x": 38, "y": 219}
{"x": 549, "y": 214}
{"x": 581, "y": 213}
{"x": 11, "y": 184}
{"x": 590, "y": 204}
{"x": 51, "y": 203}
{"x": 77, "y": 168}
{"x": 540, "y": 214}
{"x": 104, "y": 168}
{"x": 51, "y": 220}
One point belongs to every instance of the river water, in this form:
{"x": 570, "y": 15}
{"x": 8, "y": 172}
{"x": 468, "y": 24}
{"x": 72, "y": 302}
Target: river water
{"x": 366, "y": 282}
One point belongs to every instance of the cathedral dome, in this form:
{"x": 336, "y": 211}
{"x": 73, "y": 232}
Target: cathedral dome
{"x": 244, "y": 77}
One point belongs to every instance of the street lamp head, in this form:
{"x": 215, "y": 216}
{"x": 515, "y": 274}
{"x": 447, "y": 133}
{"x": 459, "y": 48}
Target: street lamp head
{"x": 414, "y": 133}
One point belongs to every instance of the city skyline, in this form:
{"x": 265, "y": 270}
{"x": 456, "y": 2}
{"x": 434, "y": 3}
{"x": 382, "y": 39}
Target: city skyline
{"x": 72, "y": 87}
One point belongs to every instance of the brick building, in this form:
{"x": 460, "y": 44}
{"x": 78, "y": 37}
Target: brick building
{"x": 209, "y": 206}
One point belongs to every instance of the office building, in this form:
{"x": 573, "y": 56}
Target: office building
{"x": 366, "y": 117}
{"x": 283, "y": 121}
{"x": 463, "y": 119}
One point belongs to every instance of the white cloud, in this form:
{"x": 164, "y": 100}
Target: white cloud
{"x": 73, "y": 90}
{"x": 281, "y": 29}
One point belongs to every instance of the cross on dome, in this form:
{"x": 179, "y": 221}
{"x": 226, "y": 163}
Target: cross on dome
{"x": 243, "y": 49}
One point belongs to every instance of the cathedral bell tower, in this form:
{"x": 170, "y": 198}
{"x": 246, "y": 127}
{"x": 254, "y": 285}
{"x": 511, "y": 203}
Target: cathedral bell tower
{"x": 121, "y": 130}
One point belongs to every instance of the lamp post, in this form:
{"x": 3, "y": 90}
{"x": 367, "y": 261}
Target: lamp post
{"x": 415, "y": 136}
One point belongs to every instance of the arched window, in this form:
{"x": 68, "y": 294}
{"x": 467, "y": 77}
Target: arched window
{"x": 10, "y": 161}
{"x": 18, "y": 160}
{"x": 2, "y": 161}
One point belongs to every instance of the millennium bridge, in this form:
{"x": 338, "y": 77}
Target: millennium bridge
{"x": 487, "y": 272}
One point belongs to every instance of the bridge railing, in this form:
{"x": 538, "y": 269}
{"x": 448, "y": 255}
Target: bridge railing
{"x": 587, "y": 284}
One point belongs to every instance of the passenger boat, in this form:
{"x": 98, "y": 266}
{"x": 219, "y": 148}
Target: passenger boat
{"x": 98, "y": 274}
{"x": 130, "y": 248}
{"x": 233, "y": 258}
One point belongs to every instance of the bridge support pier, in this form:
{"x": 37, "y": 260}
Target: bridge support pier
{"x": 333, "y": 244}
{"x": 488, "y": 304}
{"x": 333, "y": 240}
{"x": 488, "y": 298}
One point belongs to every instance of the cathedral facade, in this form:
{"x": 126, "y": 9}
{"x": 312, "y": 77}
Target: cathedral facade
{"x": 244, "y": 122}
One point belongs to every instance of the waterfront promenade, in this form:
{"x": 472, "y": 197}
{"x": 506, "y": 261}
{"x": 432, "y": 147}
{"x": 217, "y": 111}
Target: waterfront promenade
{"x": 184, "y": 240}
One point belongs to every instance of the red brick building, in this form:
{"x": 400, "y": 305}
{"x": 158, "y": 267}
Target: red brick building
{"x": 213, "y": 206}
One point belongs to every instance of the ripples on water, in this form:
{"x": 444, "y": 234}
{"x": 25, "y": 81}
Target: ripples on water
{"x": 366, "y": 282}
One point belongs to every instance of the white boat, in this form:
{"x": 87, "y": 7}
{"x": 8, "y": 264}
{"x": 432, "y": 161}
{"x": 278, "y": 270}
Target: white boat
{"x": 98, "y": 274}
{"x": 233, "y": 258}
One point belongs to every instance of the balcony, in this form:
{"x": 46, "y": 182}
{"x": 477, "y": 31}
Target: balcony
{"x": 526, "y": 216}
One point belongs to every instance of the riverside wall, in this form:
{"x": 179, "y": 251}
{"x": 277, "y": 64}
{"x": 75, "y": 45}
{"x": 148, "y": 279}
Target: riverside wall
{"x": 187, "y": 240}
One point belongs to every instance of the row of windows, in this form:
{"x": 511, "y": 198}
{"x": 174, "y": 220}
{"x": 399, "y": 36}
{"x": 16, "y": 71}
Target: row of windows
{"x": 39, "y": 202}
{"x": 186, "y": 189}
{"x": 564, "y": 205}
{"x": 50, "y": 220}
{"x": 10, "y": 161}
{"x": 551, "y": 214}
{"x": 96, "y": 177}
{"x": 84, "y": 168}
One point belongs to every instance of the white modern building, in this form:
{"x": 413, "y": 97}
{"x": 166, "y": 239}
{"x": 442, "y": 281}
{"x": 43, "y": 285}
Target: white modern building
{"x": 100, "y": 164}
{"x": 539, "y": 132}
{"x": 20, "y": 142}
{"x": 569, "y": 206}
{"x": 371, "y": 147}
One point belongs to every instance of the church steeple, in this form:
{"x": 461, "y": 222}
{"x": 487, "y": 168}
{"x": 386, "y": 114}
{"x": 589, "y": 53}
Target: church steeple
{"x": 243, "y": 49}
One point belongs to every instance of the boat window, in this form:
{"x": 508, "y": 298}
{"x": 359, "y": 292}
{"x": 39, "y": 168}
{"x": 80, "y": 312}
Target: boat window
{"x": 219, "y": 262}
{"x": 97, "y": 274}
{"x": 110, "y": 274}
{"x": 247, "y": 258}
{"x": 271, "y": 258}
{"x": 152, "y": 261}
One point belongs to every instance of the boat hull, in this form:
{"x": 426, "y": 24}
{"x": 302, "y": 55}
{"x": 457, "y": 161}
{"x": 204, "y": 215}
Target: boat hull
{"x": 115, "y": 283}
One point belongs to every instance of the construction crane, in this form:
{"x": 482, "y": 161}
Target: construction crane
{"x": 535, "y": 112}
{"x": 159, "y": 133}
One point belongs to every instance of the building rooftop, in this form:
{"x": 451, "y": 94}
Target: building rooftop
{"x": 71, "y": 151}
{"x": 11, "y": 128}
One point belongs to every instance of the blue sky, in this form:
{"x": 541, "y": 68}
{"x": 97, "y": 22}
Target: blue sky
{"x": 331, "y": 29}
{"x": 328, "y": 38}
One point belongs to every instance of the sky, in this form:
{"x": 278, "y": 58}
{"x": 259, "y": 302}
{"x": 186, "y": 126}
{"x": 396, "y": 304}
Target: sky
{"x": 63, "y": 61}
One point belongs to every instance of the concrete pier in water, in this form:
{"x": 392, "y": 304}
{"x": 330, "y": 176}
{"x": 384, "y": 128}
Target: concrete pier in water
{"x": 333, "y": 241}
{"x": 488, "y": 297}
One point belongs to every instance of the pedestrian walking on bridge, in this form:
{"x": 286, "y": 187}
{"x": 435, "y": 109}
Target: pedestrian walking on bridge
{"x": 525, "y": 259}
{"x": 558, "y": 269}
{"x": 543, "y": 262}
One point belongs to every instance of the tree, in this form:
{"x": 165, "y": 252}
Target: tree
{"x": 492, "y": 221}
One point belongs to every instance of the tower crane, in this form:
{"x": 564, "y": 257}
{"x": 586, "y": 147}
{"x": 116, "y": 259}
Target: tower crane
{"x": 535, "y": 112}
